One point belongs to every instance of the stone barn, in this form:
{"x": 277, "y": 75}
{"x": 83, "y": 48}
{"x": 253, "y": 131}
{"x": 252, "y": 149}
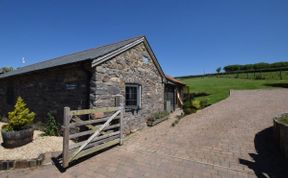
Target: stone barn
{"x": 92, "y": 78}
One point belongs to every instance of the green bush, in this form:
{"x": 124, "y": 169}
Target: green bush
{"x": 196, "y": 104}
{"x": 189, "y": 110}
{"x": 20, "y": 118}
{"x": 188, "y": 107}
{"x": 284, "y": 120}
{"x": 187, "y": 104}
{"x": 192, "y": 106}
{"x": 52, "y": 127}
{"x": 204, "y": 103}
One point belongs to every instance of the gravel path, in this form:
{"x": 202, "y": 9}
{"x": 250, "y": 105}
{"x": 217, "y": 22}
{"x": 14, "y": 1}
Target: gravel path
{"x": 232, "y": 138}
{"x": 32, "y": 150}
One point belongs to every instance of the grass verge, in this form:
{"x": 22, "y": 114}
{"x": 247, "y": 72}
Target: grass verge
{"x": 218, "y": 88}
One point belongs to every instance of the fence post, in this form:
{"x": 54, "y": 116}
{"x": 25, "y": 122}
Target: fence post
{"x": 66, "y": 137}
{"x": 121, "y": 118}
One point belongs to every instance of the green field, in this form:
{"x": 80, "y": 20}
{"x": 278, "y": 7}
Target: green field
{"x": 218, "y": 88}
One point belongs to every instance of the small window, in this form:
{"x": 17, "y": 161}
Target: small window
{"x": 145, "y": 59}
{"x": 133, "y": 96}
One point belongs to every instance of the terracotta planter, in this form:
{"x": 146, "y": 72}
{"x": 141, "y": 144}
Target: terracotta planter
{"x": 14, "y": 139}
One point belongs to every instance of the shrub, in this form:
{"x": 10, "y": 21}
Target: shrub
{"x": 187, "y": 104}
{"x": 204, "y": 103}
{"x": 196, "y": 104}
{"x": 188, "y": 107}
{"x": 199, "y": 94}
{"x": 52, "y": 128}
{"x": 20, "y": 118}
{"x": 284, "y": 119}
{"x": 189, "y": 110}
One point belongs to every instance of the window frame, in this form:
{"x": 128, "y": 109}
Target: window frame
{"x": 139, "y": 96}
{"x": 145, "y": 59}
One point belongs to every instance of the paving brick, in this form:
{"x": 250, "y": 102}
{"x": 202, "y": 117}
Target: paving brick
{"x": 216, "y": 142}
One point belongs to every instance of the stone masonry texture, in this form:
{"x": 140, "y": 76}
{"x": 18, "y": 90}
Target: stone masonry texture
{"x": 80, "y": 86}
{"x": 108, "y": 79}
{"x": 49, "y": 90}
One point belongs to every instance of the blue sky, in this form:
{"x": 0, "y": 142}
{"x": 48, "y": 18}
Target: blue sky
{"x": 188, "y": 37}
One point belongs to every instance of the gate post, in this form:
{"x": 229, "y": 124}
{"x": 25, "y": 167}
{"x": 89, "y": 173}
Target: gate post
{"x": 66, "y": 122}
{"x": 121, "y": 118}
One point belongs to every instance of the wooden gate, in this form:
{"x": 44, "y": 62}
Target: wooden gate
{"x": 91, "y": 134}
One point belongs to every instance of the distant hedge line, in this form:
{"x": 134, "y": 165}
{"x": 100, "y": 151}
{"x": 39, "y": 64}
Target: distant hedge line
{"x": 235, "y": 72}
{"x": 255, "y": 67}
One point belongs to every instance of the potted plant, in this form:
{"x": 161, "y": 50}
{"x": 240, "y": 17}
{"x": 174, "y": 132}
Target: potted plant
{"x": 18, "y": 131}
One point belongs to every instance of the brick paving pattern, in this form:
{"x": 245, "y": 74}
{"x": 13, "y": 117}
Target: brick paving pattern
{"x": 232, "y": 138}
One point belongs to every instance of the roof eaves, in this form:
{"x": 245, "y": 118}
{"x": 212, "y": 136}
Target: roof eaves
{"x": 173, "y": 80}
{"x": 60, "y": 61}
{"x": 112, "y": 54}
{"x": 108, "y": 56}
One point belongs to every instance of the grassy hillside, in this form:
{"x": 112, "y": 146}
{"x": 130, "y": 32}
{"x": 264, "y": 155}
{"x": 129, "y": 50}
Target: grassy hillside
{"x": 218, "y": 88}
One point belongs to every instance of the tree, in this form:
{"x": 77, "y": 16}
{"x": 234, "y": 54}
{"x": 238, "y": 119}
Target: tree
{"x": 21, "y": 116}
{"x": 6, "y": 69}
{"x": 261, "y": 65}
{"x": 218, "y": 70}
{"x": 232, "y": 68}
{"x": 256, "y": 67}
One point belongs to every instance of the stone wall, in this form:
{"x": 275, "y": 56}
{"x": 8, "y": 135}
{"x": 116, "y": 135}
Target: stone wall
{"x": 109, "y": 79}
{"x": 49, "y": 90}
{"x": 79, "y": 86}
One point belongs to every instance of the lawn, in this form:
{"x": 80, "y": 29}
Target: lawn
{"x": 218, "y": 88}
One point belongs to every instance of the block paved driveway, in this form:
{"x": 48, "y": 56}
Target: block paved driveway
{"x": 232, "y": 138}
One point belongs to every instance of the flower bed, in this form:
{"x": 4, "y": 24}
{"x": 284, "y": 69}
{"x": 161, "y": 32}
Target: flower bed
{"x": 281, "y": 133}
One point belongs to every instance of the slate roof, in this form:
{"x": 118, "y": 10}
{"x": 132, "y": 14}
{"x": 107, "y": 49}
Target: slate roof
{"x": 72, "y": 58}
